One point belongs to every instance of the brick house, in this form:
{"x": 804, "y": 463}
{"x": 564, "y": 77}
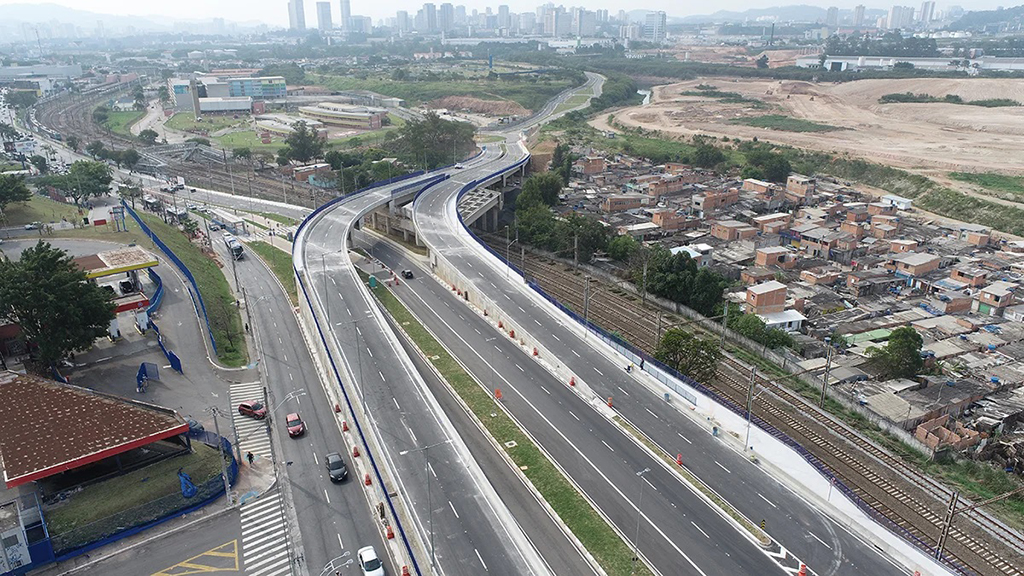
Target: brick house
{"x": 732, "y": 230}
{"x": 772, "y": 223}
{"x": 775, "y": 256}
{"x": 623, "y": 202}
{"x": 669, "y": 220}
{"x": 995, "y": 298}
{"x": 902, "y": 246}
{"x": 972, "y": 275}
{"x": 913, "y": 264}
{"x": 590, "y": 165}
{"x": 766, "y": 298}
{"x": 709, "y": 202}
{"x": 800, "y": 188}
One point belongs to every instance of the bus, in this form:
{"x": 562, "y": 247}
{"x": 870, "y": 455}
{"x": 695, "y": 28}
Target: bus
{"x": 234, "y": 247}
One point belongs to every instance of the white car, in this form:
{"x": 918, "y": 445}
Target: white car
{"x": 459, "y": 166}
{"x": 369, "y": 563}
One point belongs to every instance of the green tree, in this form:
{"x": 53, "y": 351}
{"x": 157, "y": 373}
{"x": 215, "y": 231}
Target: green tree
{"x": 73, "y": 142}
{"x": 304, "y": 144}
{"x": 101, "y": 114}
{"x": 130, "y": 158}
{"x": 21, "y": 98}
{"x": 49, "y": 297}
{"x": 432, "y": 142}
{"x": 190, "y": 227}
{"x": 695, "y": 357}
{"x": 40, "y": 163}
{"x": 7, "y": 132}
{"x": 13, "y": 189}
{"x": 753, "y": 327}
{"x": 84, "y": 180}
{"x": 130, "y": 190}
{"x": 242, "y": 154}
{"x": 579, "y": 236}
{"x": 707, "y": 156}
{"x": 901, "y": 355}
{"x": 140, "y": 98}
{"x": 148, "y": 136}
{"x": 95, "y": 148}
{"x": 164, "y": 94}
{"x": 762, "y": 62}
{"x": 622, "y": 247}
{"x": 548, "y": 185}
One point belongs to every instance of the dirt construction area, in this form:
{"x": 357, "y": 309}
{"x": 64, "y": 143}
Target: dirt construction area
{"x": 920, "y": 135}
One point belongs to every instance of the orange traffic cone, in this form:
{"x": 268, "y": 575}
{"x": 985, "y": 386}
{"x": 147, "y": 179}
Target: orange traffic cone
{"x": 405, "y": 571}
{"x": 535, "y": 353}
{"x": 511, "y": 333}
{"x": 366, "y": 480}
{"x": 609, "y": 401}
{"x": 572, "y": 381}
{"x": 803, "y": 570}
{"x": 497, "y": 393}
{"x": 500, "y": 325}
{"x": 355, "y": 451}
{"x": 679, "y": 459}
{"x": 391, "y": 533}
{"x": 344, "y": 426}
{"x": 337, "y": 408}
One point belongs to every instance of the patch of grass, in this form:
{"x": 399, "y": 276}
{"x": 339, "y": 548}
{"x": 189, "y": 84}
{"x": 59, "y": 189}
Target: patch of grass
{"x": 523, "y": 90}
{"x": 998, "y": 182}
{"x": 40, "y": 209}
{"x": 248, "y": 139}
{"x": 725, "y": 97}
{"x": 610, "y": 551}
{"x": 573, "y": 102}
{"x": 488, "y": 138}
{"x": 186, "y": 122}
{"x": 121, "y": 122}
{"x": 225, "y": 321}
{"x": 280, "y": 263}
{"x": 133, "y": 489}
{"x": 256, "y": 224}
{"x": 286, "y": 220}
{"x": 959, "y": 206}
{"x": 784, "y": 123}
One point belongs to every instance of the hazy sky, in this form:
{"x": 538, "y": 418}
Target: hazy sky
{"x": 276, "y": 11}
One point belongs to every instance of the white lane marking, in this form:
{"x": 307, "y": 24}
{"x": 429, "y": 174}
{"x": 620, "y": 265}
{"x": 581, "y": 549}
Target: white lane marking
{"x": 573, "y": 415}
{"x": 768, "y": 501}
{"x": 520, "y": 308}
{"x": 340, "y": 543}
{"x": 393, "y": 399}
{"x": 382, "y": 378}
{"x": 431, "y": 466}
{"x": 701, "y": 531}
{"x": 722, "y": 467}
{"x": 453, "y": 508}
{"x": 369, "y": 351}
{"x": 477, "y": 331}
{"x": 328, "y": 496}
{"x": 290, "y": 377}
{"x": 332, "y": 280}
{"x": 556, "y": 337}
{"x": 598, "y": 371}
{"x": 684, "y": 438}
{"x": 520, "y": 368}
{"x": 820, "y": 540}
{"x": 285, "y": 357}
{"x": 652, "y": 413}
{"x": 623, "y": 390}
{"x": 315, "y": 459}
{"x": 607, "y": 446}
{"x": 480, "y": 558}
{"x": 411, "y": 435}
{"x": 538, "y": 323}
{"x": 576, "y": 353}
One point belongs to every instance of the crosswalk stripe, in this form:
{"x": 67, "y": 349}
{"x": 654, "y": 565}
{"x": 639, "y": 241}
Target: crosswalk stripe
{"x": 282, "y": 555}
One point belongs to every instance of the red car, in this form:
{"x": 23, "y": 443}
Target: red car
{"x": 296, "y": 427}
{"x": 253, "y": 409}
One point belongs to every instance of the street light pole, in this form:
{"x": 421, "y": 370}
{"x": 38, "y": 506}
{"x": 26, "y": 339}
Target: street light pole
{"x": 223, "y": 465}
{"x": 750, "y": 405}
{"x": 639, "y": 504}
{"x": 430, "y": 504}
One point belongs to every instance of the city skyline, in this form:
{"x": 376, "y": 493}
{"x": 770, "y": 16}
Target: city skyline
{"x": 276, "y": 12}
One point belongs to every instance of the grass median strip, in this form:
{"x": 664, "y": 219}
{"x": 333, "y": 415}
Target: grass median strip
{"x": 280, "y": 263}
{"x": 610, "y": 551}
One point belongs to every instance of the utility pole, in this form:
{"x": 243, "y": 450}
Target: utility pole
{"x": 643, "y": 294}
{"x": 725, "y": 322}
{"x": 430, "y": 505}
{"x": 750, "y": 404}
{"x": 586, "y": 306}
{"x": 658, "y": 341}
{"x": 951, "y": 512}
{"x": 575, "y": 250}
{"x": 231, "y": 176}
{"x": 223, "y": 465}
{"x": 828, "y": 367}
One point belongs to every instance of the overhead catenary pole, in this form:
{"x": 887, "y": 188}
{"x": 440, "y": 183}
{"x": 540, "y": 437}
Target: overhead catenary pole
{"x": 640, "y": 502}
{"x": 828, "y": 367}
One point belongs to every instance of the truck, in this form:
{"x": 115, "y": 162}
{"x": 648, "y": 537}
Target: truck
{"x": 234, "y": 247}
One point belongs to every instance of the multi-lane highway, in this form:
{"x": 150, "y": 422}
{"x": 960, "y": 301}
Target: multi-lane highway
{"x": 462, "y": 523}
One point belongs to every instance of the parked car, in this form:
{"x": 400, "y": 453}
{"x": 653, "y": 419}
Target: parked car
{"x": 336, "y": 467}
{"x": 296, "y": 427}
{"x": 33, "y": 226}
{"x": 407, "y": 274}
{"x": 369, "y": 562}
{"x": 253, "y": 409}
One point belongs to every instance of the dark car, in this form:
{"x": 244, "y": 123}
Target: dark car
{"x": 407, "y": 274}
{"x": 336, "y": 467}
{"x": 296, "y": 427}
{"x": 253, "y": 409}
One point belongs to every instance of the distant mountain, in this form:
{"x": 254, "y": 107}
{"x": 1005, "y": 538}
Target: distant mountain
{"x": 37, "y": 13}
{"x": 798, "y": 13}
{"x": 983, "y": 18}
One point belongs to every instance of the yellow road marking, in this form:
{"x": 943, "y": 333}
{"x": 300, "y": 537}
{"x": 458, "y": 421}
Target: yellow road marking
{"x": 191, "y": 566}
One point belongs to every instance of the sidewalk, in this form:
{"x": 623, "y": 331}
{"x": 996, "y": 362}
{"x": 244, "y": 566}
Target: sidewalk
{"x": 251, "y": 482}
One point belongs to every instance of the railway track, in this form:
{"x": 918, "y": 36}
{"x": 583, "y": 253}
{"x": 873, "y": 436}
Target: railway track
{"x": 72, "y": 115}
{"x": 894, "y": 489}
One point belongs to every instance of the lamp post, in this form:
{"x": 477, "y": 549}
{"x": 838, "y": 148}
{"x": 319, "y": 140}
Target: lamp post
{"x": 508, "y": 247}
{"x": 640, "y": 502}
{"x": 430, "y": 507}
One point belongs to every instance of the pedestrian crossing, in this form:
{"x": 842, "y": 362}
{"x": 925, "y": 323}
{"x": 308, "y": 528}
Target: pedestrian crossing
{"x": 265, "y": 536}
{"x": 253, "y": 435}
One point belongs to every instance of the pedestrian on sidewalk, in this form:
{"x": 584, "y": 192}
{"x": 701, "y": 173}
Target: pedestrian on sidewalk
{"x": 250, "y": 457}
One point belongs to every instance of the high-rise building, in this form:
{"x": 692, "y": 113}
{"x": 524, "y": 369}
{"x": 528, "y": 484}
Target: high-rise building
{"x": 402, "y": 22}
{"x": 430, "y": 17}
{"x": 900, "y": 17}
{"x": 832, "y": 17}
{"x": 528, "y": 23}
{"x": 927, "y": 12}
{"x": 584, "y": 22}
{"x": 654, "y": 26}
{"x": 503, "y": 17}
{"x": 446, "y": 17}
{"x": 460, "y": 15}
{"x": 858, "y": 15}
{"x": 296, "y": 15}
{"x": 629, "y": 32}
{"x": 323, "y": 16}
{"x": 346, "y": 14}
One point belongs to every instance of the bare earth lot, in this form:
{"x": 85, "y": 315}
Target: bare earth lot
{"x": 933, "y": 135}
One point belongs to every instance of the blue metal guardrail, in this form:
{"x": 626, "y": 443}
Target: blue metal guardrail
{"x": 158, "y": 294}
{"x": 635, "y": 354}
{"x": 197, "y": 300}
